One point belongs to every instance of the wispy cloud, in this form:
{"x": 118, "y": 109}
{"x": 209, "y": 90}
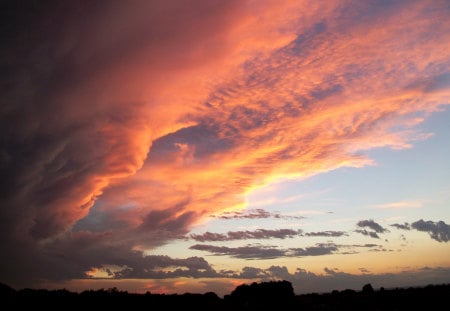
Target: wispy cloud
{"x": 270, "y": 252}
{"x": 400, "y": 205}
{"x": 326, "y": 233}
{"x": 267, "y": 252}
{"x": 255, "y": 214}
{"x": 243, "y": 235}
{"x": 245, "y": 252}
{"x": 404, "y": 226}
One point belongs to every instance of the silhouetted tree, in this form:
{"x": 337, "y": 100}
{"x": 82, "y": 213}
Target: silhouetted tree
{"x": 367, "y": 289}
{"x": 6, "y": 290}
{"x": 265, "y": 294}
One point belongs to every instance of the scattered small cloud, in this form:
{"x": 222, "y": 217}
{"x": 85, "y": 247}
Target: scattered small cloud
{"x": 439, "y": 231}
{"x": 372, "y": 234}
{"x": 372, "y": 225}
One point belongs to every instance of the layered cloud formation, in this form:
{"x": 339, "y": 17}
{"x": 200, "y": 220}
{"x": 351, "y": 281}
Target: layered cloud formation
{"x": 124, "y": 124}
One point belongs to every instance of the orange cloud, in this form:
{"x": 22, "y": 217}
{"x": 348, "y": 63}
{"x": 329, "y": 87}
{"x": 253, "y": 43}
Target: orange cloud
{"x": 139, "y": 120}
{"x": 310, "y": 106}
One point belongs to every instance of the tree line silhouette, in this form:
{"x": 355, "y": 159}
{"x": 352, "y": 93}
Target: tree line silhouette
{"x": 274, "y": 295}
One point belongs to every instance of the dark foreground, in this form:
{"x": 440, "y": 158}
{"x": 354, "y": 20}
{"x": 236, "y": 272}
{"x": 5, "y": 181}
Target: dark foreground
{"x": 263, "y": 296}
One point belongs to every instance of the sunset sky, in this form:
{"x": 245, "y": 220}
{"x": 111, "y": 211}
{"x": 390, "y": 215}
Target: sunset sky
{"x": 178, "y": 146}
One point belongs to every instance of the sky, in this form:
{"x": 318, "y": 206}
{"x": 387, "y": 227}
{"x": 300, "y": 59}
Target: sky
{"x": 193, "y": 146}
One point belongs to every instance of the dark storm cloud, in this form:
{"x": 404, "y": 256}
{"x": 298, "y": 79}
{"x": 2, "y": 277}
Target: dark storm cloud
{"x": 71, "y": 118}
{"x": 243, "y": 235}
{"x": 74, "y": 118}
{"x": 74, "y": 257}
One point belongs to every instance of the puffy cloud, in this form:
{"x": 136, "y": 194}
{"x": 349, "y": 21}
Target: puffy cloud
{"x": 371, "y": 225}
{"x": 243, "y": 235}
{"x": 438, "y": 231}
